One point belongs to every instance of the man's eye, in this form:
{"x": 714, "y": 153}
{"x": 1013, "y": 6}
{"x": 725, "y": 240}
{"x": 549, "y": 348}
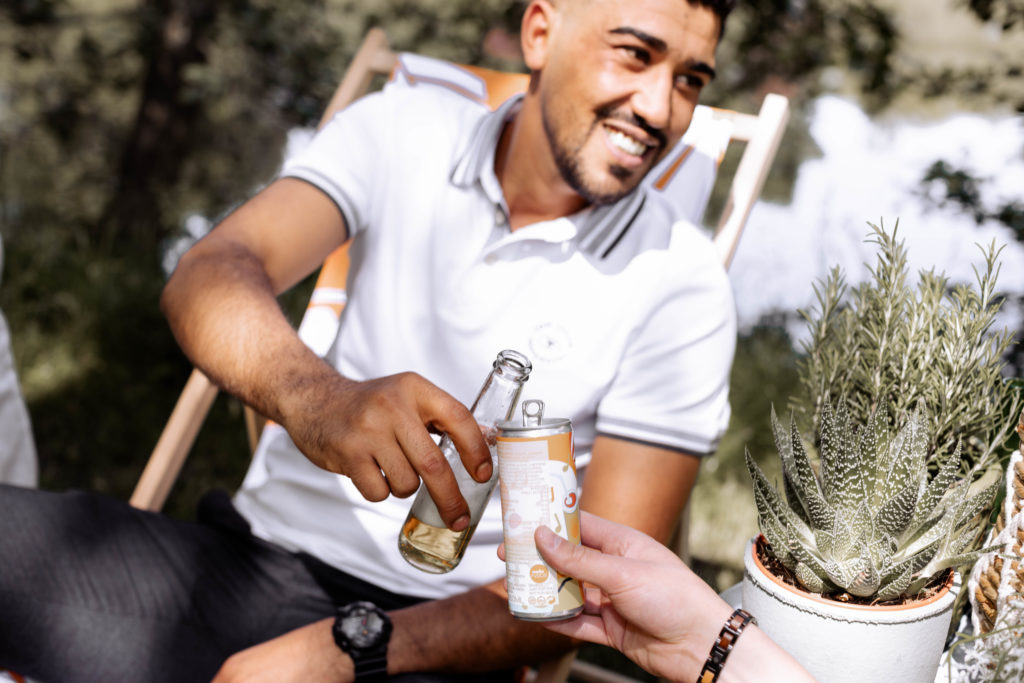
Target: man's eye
{"x": 690, "y": 81}
{"x": 638, "y": 53}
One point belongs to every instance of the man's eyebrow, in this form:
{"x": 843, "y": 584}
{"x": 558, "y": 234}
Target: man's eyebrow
{"x": 649, "y": 40}
{"x": 704, "y": 68}
{"x": 660, "y": 45}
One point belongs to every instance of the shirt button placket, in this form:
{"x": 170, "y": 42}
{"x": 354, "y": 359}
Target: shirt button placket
{"x": 499, "y": 221}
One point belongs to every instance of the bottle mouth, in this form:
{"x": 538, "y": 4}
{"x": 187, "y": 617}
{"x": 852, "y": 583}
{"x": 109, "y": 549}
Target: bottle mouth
{"x": 514, "y": 360}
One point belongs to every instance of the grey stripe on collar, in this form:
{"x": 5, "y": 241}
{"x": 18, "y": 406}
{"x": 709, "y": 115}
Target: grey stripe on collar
{"x": 608, "y": 224}
{"x": 481, "y": 143}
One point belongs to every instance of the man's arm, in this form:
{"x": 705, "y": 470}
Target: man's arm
{"x": 471, "y": 632}
{"x": 221, "y": 304}
{"x": 639, "y": 485}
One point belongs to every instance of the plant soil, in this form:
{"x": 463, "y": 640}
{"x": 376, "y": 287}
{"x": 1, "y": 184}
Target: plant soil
{"x": 779, "y": 570}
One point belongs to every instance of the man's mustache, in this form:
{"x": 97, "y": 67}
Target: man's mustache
{"x": 632, "y": 119}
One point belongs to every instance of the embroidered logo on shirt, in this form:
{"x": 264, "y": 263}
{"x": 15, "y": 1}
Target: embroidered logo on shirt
{"x": 550, "y": 342}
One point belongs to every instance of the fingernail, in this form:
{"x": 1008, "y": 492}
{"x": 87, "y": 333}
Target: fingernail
{"x": 461, "y": 523}
{"x": 483, "y": 472}
{"x": 546, "y": 537}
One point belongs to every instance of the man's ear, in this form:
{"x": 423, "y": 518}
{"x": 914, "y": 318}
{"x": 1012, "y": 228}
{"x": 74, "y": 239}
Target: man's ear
{"x": 540, "y": 21}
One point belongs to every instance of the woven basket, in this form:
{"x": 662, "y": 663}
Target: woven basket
{"x": 994, "y": 578}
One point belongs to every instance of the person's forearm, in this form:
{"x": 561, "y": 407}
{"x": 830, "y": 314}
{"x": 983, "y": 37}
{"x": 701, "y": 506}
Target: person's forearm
{"x": 471, "y": 632}
{"x": 756, "y": 658}
{"x": 222, "y": 309}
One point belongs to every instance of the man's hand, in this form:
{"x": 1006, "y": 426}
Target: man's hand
{"x": 305, "y": 654}
{"x": 377, "y": 433}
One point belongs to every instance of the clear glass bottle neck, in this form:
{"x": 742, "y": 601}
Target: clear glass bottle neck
{"x": 500, "y": 393}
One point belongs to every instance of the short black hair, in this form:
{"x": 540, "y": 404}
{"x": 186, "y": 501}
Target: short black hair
{"x": 722, "y": 8}
{"x": 719, "y": 7}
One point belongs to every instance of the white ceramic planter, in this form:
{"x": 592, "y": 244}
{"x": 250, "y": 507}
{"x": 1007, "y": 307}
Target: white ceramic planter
{"x": 854, "y": 643}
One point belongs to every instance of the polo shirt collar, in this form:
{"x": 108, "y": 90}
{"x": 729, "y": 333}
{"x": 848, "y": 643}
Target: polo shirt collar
{"x": 596, "y": 229}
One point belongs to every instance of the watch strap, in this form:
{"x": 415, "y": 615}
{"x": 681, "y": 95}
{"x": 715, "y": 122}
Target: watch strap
{"x": 371, "y": 667}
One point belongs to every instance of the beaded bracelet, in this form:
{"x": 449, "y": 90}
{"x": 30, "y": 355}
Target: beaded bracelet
{"x": 724, "y": 644}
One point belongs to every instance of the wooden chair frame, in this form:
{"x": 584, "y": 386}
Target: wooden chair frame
{"x": 762, "y": 134}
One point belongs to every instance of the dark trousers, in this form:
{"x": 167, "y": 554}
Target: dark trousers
{"x": 92, "y": 589}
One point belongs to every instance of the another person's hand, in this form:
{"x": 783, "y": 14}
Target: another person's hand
{"x": 377, "y": 433}
{"x": 645, "y": 602}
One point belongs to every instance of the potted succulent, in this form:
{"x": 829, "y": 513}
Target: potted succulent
{"x": 907, "y": 414}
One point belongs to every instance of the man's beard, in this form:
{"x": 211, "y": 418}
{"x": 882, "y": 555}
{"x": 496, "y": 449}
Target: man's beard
{"x": 570, "y": 162}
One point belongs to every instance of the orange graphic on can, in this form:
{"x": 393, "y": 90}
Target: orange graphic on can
{"x": 538, "y": 484}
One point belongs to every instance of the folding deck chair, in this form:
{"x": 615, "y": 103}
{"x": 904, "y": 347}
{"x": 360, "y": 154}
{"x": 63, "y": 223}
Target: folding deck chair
{"x": 683, "y": 180}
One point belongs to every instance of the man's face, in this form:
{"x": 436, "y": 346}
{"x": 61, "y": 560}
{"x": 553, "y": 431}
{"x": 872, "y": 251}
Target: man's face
{"x": 619, "y": 86}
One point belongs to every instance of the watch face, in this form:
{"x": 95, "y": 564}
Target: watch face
{"x": 362, "y": 627}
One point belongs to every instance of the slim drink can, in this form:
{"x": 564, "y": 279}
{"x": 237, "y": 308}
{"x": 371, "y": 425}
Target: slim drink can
{"x": 537, "y": 474}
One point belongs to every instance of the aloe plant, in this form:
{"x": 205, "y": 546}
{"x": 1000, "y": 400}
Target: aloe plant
{"x": 870, "y": 520}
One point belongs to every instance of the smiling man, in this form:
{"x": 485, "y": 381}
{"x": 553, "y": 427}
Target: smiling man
{"x": 473, "y": 231}
{"x": 614, "y": 87}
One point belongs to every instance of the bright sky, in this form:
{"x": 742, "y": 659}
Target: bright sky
{"x": 871, "y": 171}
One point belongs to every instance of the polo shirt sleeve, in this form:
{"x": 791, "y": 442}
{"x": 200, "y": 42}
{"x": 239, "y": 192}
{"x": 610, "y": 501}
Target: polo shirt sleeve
{"x": 672, "y": 386}
{"x": 345, "y": 155}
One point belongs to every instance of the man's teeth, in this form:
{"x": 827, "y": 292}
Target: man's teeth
{"x": 626, "y": 144}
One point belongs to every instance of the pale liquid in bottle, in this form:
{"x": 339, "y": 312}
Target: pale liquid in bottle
{"x": 434, "y": 549}
{"x": 425, "y": 542}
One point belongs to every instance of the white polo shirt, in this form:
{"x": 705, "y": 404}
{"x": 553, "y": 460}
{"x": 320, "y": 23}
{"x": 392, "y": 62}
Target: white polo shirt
{"x": 626, "y": 315}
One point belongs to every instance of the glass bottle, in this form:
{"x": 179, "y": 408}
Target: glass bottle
{"x": 425, "y": 542}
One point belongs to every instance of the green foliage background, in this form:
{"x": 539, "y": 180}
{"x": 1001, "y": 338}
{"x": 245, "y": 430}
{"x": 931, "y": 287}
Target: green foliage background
{"x": 120, "y": 118}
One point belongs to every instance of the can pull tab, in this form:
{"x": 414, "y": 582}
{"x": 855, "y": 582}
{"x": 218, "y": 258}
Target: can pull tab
{"x": 533, "y": 412}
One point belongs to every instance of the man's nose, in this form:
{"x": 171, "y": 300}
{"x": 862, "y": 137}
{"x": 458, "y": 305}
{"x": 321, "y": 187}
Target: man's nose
{"x": 652, "y": 100}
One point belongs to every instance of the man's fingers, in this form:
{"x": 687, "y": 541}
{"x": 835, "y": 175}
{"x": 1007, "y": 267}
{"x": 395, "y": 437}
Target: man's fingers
{"x": 473, "y": 446}
{"x": 402, "y": 478}
{"x": 450, "y": 504}
{"x": 369, "y": 480}
{"x": 437, "y": 475}
{"x": 449, "y": 416}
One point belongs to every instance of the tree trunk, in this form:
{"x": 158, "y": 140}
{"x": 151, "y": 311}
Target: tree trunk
{"x": 158, "y": 143}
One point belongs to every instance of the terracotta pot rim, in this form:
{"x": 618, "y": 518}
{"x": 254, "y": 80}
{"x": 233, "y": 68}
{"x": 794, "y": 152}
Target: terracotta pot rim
{"x": 835, "y": 603}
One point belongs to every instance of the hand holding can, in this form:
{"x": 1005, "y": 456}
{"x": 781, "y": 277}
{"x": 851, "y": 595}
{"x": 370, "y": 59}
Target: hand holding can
{"x": 537, "y": 472}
